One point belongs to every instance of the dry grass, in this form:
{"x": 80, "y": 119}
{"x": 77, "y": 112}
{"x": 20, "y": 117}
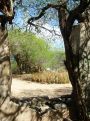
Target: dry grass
{"x": 47, "y": 77}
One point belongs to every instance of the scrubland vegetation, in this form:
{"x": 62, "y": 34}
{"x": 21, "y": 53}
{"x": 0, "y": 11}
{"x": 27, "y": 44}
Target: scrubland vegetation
{"x": 46, "y": 77}
{"x": 35, "y": 60}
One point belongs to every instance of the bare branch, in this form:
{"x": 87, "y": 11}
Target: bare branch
{"x": 51, "y": 31}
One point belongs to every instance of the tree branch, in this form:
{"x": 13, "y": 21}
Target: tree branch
{"x": 83, "y": 1}
{"x": 68, "y": 21}
{"x": 74, "y": 15}
{"x": 43, "y": 10}
{"x": 35, "y": 25}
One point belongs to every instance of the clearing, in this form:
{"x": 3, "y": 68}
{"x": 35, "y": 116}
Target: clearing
{"x": 22, "y": 88}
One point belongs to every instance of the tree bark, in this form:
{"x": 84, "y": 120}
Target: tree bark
{"x": 74, "y": 51}
{"x": 5, "y": 69}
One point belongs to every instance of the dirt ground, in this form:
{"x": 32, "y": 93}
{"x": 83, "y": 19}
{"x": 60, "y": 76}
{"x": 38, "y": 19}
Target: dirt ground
{"x": 23, "y": 88}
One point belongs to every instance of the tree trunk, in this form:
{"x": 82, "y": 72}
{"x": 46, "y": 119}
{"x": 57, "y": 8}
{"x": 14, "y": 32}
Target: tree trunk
{"x": 77, "y": 44}
{"x": 18, "y": 61}
{"x": 80, "y": 71}
{"x": 5, "y": 71}
{"x": 78, "y": 65}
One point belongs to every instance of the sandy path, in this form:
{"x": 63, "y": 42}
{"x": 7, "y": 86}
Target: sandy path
{"x": 23, "y": 88}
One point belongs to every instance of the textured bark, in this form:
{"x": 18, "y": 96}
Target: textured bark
{"x": 80, "y": 43}
{"x": 84, "y": 64}
{"x": 73, "y": 56}
{"x": 5, "y": 73}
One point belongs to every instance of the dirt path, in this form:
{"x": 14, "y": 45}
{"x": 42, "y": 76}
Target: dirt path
{"x": 23, "y": 88}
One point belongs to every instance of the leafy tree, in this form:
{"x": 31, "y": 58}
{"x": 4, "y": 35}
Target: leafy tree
{"x": 32, "y": 53}
{"x": 56, "y": 60}
{"x": 28, "y": 50}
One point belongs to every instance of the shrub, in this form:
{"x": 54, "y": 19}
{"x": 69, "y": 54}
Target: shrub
{"x": 47, "y": 77}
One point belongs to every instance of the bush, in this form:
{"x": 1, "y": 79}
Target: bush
{"x": 47, "y": 77}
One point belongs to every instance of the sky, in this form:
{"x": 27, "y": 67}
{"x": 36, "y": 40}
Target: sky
{"x": 21, "y": 18}
{"x": 56, "y": 41}
{"x": 33, "y": 7}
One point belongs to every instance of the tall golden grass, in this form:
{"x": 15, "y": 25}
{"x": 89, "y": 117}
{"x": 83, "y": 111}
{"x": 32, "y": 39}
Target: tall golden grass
{"x": 47, "y": 77}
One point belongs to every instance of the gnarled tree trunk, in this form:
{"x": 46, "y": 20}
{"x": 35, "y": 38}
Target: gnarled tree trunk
{"x": 5, "y": 71}
{"x": 80, "y": 44}
{"x": 77, "y": 47}
{"x": 77, "y": 44}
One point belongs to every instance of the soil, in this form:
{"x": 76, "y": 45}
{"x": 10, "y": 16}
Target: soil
{"x": 22, "y": 88}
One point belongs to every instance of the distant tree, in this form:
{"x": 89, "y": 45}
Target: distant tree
{"x": 29, "y": 51}
{"x": 33, "y": 53}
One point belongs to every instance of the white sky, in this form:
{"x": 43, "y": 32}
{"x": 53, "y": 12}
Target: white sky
{"x": 54, "y": 40}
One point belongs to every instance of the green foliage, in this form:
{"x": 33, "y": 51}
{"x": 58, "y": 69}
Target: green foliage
{"x": 55, "y": 60}
{"x": 33, "y": 53}
{"x": 14, "y": 67}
